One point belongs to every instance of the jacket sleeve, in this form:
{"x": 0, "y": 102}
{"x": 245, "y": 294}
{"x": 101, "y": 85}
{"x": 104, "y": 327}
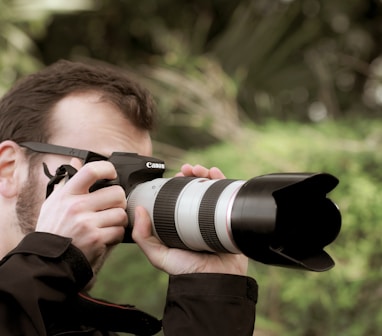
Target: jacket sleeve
{"x": 210, "y": 304}
{"x": 35, "y": 277}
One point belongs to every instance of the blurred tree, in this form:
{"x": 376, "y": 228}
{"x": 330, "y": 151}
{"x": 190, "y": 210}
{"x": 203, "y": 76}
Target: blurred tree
{"x": 235, "y": 60}
{"x": 22, "y": 22}
{"x": 304, "y": 59}
{"x": 290, "y": 59}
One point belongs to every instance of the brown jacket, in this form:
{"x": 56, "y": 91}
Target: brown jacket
{"x": 41, "y": 278}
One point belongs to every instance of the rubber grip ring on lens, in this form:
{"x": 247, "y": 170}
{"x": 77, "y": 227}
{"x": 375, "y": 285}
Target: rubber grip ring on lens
{"x": 207, "y": 210}
{"x": 164, "y": 211}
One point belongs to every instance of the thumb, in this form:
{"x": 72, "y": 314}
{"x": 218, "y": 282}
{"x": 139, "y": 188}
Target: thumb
{"x": 142, "y": 234}
{"x": 142, "y": 225}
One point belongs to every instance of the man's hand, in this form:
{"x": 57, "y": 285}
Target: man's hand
{"x": 94, "y": 220}
{"x": 175, "y": 261}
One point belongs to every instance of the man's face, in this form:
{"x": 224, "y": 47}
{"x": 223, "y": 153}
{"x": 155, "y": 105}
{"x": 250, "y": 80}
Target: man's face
{"x": 86, "y": 122}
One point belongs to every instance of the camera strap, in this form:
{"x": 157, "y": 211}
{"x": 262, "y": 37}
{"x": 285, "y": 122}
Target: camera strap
{"x": 108, "y": 316}
{"x": 62, "y": 172}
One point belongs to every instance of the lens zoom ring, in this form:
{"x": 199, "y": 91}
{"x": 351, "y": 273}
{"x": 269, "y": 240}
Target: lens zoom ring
{"x": 164, "y": 211}
{"x": 207, "y": 215}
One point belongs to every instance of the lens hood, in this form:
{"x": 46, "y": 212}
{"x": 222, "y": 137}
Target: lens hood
{"x": 286, "y": 219}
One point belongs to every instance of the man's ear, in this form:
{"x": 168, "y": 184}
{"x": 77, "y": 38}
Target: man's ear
{"x": 12, "y": 165}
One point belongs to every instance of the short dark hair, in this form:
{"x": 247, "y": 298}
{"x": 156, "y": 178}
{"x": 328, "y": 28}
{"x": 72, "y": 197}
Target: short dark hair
{"x": 26, "y": 109}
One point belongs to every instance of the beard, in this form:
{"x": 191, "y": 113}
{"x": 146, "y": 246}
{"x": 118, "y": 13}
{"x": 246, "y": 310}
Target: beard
{"x": 29, "y": 203}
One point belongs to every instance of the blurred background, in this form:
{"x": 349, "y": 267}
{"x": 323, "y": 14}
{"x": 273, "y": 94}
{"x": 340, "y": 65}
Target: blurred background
{"x": 254, "y": 87}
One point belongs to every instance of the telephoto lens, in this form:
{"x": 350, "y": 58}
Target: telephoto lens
{"x": 282, "y": 219}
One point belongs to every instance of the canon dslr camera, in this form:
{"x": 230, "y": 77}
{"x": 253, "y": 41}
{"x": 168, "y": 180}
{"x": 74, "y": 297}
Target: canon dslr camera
{"x": 283, "y": 219}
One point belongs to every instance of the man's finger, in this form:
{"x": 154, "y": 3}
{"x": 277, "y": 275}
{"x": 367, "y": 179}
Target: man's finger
{"x": 88, "y": 175}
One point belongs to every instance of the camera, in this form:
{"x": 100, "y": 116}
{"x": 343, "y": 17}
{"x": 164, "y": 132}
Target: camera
{"x": 283, "y": 219}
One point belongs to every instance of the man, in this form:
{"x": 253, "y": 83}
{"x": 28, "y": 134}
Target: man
{"x": 51, "y": 248}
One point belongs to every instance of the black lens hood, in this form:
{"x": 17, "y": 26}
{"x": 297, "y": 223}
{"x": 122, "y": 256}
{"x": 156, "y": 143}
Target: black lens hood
{"x": 286, "y": 219}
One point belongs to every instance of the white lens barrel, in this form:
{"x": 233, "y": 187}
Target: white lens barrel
{"x": 187, "y": 214}
{"x": 191, "y": 213}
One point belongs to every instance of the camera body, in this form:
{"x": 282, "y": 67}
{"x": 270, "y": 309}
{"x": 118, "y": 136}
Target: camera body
{"x": 282, "y": 219}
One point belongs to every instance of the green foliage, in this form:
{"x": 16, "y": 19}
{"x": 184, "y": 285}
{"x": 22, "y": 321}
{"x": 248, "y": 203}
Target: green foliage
{"x": 127, "y": 277}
